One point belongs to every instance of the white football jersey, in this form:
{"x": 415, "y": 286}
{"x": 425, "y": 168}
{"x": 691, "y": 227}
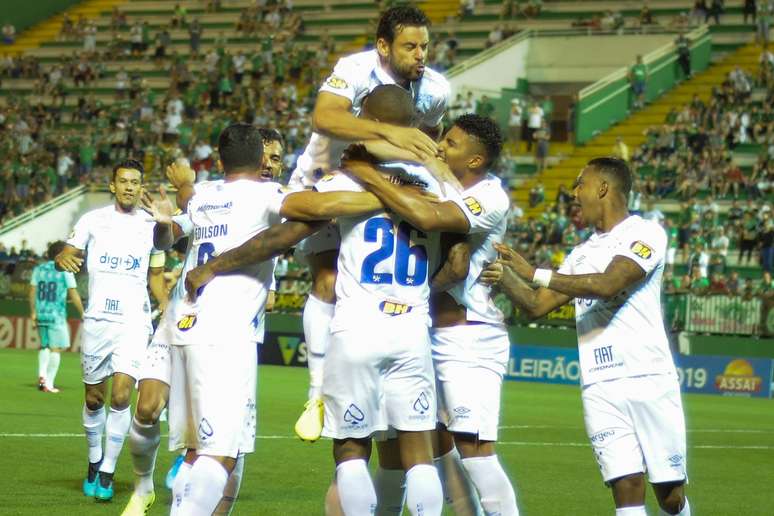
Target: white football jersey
{"x": 384, "y": 263}
{"x": 623, "y": 336}
{"x": 486, "y": 206}
{"x": 119, "y": 250}
{"x": 223, "y": 215}
{"x": 354, "y": 77}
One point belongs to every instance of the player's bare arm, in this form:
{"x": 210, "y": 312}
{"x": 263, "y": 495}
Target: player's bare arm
{"x": 310, "y": 205}
{"x": 263, "y": 246}
{"x": 70, "y": 259}
{"x": 423, "y": 214}
{"x": 75, "y": 299}
{"x": 182, "y": 177}
{"x": 535, "y": 303}
{"x": 456, "y": 266}
{"x": 621, "y": 273}
{"x": 333, "y": 117}
{"x": 157, "y": 286}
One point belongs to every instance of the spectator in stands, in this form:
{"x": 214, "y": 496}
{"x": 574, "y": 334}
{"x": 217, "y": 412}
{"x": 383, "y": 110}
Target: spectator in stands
{"x": 63, "y": 165}
{"x": 537, "y": 194}
{"x": 748, "y": 237}
{"x": 748, "y": 9}
{"x": 495, "y": 36}
{"x": 714, "y": 11}
{"x": 163, "y": 40}
{"x": 515, "y": 120}
{"x": 764, "y": 14}
{"x": 542, "y": 140}
{"x": 766, "y": 244}
{"x": 699, "y": 284}
{"x": 9, "y": 34}
{"x": 699, "y": 12}
{"x": 195, "y": 32}
{"x": 135, "y": 39}
{"x": 683, "y": 46}
{"x": 638, "y": 76}
{"x": 646, "y": 16}
{"x": 534, "y": 122}
{"x": 90, "y": 38}
{"x": 718, "y": 285}
{"x": 467, "y": 8}
{"x": 720, "y": 241}
{"x": 179, "y": 16}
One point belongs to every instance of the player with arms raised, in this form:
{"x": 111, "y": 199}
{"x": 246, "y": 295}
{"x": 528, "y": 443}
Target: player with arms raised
{"x": 631, "y": 395}
{"x": 122, "y": 263}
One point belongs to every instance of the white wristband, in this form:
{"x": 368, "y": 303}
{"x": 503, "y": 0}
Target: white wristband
{"x": 542, "y": 277}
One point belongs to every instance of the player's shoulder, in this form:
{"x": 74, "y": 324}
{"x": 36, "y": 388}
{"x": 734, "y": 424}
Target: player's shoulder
{"x": 436, "y": 82}
{"x": 364, "y": 61}
{"x": 636, "y": 225}
{"x": 490, "y": 191}
{"x": 410, "y": 173}
{"x": 337, "y": 181}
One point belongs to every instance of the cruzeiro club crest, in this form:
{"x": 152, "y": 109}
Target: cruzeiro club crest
{"x": 353, "y": 415}
{"x": 422, "y": 404}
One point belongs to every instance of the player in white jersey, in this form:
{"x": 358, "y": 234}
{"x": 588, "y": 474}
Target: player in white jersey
{"x": 153, "y": 391}
{"x": 118, "y": 243}
{"x": 631, "y": 396}
{"x": 472, "y": 354}
{"x": 402, "y": 38}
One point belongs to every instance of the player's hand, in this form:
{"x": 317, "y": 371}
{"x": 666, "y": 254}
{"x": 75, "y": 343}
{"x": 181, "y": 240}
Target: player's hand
{"x": 514, "y": 261}
{"x": 492, "y": 274}
{"x": 386, "y": 151}
{"x": 413, "y": 140}
{"x": 358, "y": 168}
{"x": 68, "y": 262}
{"x": 271, "y": 301}
{"x": 442, "y": 173}
{"x": 160, "y": 209}
{"x": 196, "y": 279}
{"x": 180, "y": 173}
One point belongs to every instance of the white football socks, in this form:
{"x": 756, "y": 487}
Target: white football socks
{"x": 94, "y": 426}
{"x": 144, "y": 444}
{"x": 43, "y": 356}
{"x": 204, "y": 488}
{"x": 390, "y": 491}
{"x": 53, "y": 367}
{"x": 317, "y": 322}
{"x": 638, "y": 510}
{"x": 424, "y": 494}
{"x": 179, "y": 488}
{"x": 116, "y": 428}
{"x": 458, "y": 490}
{"x": 685, "y": 511}
{"x": 493, "y": 486}
{"x": 231, "y": 491}
{"x": 356, "y": 490}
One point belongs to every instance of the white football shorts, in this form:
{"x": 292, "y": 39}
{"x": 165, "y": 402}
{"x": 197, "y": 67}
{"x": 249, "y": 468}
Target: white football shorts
{"x": 377, "y": 377}
{"x": 469, "y": 362}
{"x": 157, "y": 363}
{"x": 636, "y": 425}
{"x": 109, "y": 347}
{"x": 212, "y": 397}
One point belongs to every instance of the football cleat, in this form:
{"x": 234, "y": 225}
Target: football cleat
{"x": 139, "y": 505}
{"x": 41, "y": 383}
{"x": 172, "y": 473}
{"x": 104, "y": 491}
{"x": 90, "y": 482}
{"x": 309, "y": 426}
{"x": 52, "y": 390}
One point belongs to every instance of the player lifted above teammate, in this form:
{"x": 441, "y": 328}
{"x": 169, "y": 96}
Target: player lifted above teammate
{"x": 402, "y": 40}
{"x": 118, "y": 243}
{"x": 631, "y": 396}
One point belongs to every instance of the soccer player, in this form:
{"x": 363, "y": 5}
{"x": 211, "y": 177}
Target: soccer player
{"x": 469, "y": 342}
{"x": 49, "y": 291}
{"x": 630, "y": 391}
{"x": 402, "y": 40}
{"x": 122, "y": 263}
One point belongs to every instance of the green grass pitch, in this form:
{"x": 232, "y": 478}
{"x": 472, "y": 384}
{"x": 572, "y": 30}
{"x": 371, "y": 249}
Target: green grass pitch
{"x": 543, "y": 448}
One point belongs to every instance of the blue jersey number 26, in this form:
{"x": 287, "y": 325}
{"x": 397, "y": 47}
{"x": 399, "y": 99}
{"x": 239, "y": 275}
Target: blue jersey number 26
{"x": 400, "y": 246}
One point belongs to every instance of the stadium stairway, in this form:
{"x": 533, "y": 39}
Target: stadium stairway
{"x": 48, "y": 29}
{"x": 632, "y": 129}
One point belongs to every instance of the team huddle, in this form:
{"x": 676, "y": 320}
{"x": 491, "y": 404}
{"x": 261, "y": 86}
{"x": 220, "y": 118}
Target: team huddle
{"x": 401, "y": 225}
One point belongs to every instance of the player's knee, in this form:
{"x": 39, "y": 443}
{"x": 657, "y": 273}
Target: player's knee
{"x": 148, "y": 412}
{"x": 94, "y": 400}
{"x": 120, "y": 399}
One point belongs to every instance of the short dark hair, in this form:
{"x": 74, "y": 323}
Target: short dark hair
{"x": 486, "y": 131}
{"x": 240, "y": 147}
{"x": 390, "y": 104}
{"x": 54, "y": 248}
{"x": 131, "y": 164}
{"x": 396, "y": 18}
{"x": 271, "y": 135}
{"x": 615, "y": 169}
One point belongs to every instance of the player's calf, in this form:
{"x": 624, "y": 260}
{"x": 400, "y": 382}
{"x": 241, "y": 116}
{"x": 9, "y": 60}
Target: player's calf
{"x": 671, "y": 498}
{"x": 629, "y": 491}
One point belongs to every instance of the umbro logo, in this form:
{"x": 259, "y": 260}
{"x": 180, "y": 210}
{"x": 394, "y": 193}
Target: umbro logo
{"x": 353, "y": 415}
{"x": 461, "y": 410}
{"x": 676, "y": 460}
{"x": 422, "y": 404}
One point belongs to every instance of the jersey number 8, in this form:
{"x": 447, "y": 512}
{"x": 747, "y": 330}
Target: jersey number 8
{"x": 403, "y": 251}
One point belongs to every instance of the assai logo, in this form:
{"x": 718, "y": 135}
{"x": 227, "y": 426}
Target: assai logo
{"x": 353, "y": 415}
{"x": 422, "y": 404}
{"x": 473, "y": 205}
{"x": 187, "y": 322}
{"x": 641, "y": 249}
{"x": 127, "y": 263}
{"x": 392, "y": 308}
{"x": 739, "y": 377}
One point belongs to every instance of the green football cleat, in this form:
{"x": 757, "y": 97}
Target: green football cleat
{"x": 309, "y": 426}
{"x": 104, "y": 491}
{"x": 90, "y": 482}
{"x": 139, "y": 505}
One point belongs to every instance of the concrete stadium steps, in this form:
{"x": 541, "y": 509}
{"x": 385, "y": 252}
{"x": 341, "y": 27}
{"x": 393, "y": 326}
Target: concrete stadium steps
{"x": 440, "y": 10}
{"x": 633, "y": 128}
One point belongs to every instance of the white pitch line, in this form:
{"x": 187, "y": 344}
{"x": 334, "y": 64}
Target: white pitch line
{"x": 697, "y": 430}
{"x": 503, "y": 443}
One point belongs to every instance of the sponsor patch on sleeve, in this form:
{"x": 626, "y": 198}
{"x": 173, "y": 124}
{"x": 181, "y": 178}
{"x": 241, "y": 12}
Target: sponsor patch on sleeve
{"x": 473, "y": 205}
{"x": 336, "y": 82}
{"x": 641, "y": 249}
{"x": 327, "y": 177}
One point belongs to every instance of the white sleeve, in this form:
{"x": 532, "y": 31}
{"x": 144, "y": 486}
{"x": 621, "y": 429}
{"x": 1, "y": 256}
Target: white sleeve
{"x": 184, "y": 221}
{"x": 79, "y": 238}
{"x": 646, "y": 246}
{"x": 337, "y": 183}
{"x": 274, "y": 199}
{"x": 485, "y": 210}
{"x": 434, "y": 115}
{"x": 345, "y": 80}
